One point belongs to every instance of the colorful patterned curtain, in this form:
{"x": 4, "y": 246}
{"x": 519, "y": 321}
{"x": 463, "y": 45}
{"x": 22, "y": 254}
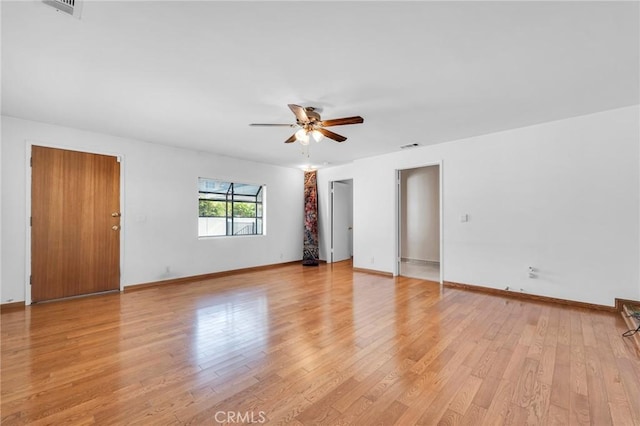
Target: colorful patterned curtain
{"x": 310, "y": 250}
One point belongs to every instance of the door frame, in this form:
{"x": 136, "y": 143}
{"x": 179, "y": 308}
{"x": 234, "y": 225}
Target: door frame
{"x": 331, "y": 186}
{"x": 398, "y": 215}
{"x": 29, "y": 145}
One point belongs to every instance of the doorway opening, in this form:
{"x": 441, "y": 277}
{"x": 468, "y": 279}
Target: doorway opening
{"x": 420, "y": 223}
{"x": 341, "y": 220}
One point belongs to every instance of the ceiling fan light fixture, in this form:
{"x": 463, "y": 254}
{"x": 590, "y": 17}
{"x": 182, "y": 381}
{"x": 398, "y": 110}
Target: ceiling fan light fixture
{"x": 316, "y": 135}
{"x": 302, "y": 136}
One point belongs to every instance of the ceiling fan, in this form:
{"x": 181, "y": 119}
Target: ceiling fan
{"x": 310, "y": 124}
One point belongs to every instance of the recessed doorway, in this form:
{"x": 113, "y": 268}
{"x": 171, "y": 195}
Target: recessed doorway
{"x": 419, "y": 223}
{"x": 341, "y": 220}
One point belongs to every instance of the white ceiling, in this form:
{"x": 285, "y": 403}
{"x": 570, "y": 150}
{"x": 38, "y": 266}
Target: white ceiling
{"x": 195, "y": 74}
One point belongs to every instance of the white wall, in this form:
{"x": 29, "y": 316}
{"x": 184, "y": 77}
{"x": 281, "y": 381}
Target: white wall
{"x": 420, "y": 214}
{"x": 562, "y": 197}
{"x": 160, "y": 223}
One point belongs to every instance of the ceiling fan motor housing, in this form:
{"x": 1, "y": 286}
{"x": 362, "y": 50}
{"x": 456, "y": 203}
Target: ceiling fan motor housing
{"x": 312, "y": 114}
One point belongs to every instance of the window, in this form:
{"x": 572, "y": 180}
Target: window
{"x": 228, "y": 208}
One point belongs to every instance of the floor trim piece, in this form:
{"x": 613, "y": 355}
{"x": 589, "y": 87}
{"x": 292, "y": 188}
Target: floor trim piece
{"x": 12, "y": 306}
{"x": 194, "y": 278}
{"x": 419, "y": 261}
{"x": 531, "y": 297}
{"x": 621, "y": 302}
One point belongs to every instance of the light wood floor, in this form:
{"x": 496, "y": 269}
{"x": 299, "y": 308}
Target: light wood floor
{"x": 321, "y": 345}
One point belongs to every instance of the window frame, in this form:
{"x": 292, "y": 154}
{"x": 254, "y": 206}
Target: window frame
{"x": 230, "y": 199}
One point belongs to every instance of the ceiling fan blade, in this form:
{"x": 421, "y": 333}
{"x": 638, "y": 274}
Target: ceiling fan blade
{"x": 300, "y": 113}
{"x": 272, "y": 125}
{"x": 342, "y": 121}
{"x": 328, "y": 133}
{"x": 292, "y": 138}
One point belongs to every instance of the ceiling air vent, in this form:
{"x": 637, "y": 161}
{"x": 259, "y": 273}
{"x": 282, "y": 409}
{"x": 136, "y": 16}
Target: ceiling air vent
{"x": 409, "y": 146}
{"x": 71, "y": 7}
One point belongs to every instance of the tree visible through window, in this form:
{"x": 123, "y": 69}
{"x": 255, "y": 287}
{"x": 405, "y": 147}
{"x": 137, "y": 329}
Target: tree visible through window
{"x": 228, "y": 208}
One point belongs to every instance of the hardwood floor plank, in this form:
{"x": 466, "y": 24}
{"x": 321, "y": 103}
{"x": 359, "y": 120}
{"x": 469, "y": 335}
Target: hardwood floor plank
{"x": 437, "y": 408}
{"x": 596, "y": 389}
{"x": 485, "y": 394}
{"x": 322, "y": 410}
{"x": 612, "y": 377}
{"x": 353, "y": 412}
{"x": 363, "y": 383}
{"x": 450, "y": 418}
{"x": 588, "y": 335}
{"x": 390, "y": 415}
{"x": 561, "y": 383}
{"x": 557, "y": 416}
{"x": 465, "y": 395}
{"x": 474, "y": 416}
{"x": 547, "y": 365}
{"x": 537, "y": 344}
{"x": 579, "y": 409}
{"x": 629, "y": 374}
{"x": 395, "y": 371}
{"x": 620, "y": 413}
{"x": 301, "y": 346}
{"x": 500, "y": 409}
{"x": 525, "y": 389}
{"x": 517, "y": 361}
{"x": 538, "y": 408}
{"x": 564, "y": 328}
{"x": 551, "y": 339}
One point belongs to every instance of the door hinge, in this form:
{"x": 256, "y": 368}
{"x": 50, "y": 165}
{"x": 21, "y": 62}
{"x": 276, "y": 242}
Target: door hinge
{"x": 30, "y": 220}
{"x": 31, "y": 161}
{"x": 30, "y": 279}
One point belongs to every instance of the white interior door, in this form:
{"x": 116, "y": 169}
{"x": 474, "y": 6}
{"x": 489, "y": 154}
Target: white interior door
{"x": 341, "y": 219}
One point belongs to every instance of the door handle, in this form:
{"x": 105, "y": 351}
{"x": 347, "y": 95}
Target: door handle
{"x": 115, "y": 227}
{"x": 115, "y": 214}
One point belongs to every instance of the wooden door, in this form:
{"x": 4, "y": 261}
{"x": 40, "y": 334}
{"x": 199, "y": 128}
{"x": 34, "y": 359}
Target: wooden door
{"x": 75, "y": 228}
